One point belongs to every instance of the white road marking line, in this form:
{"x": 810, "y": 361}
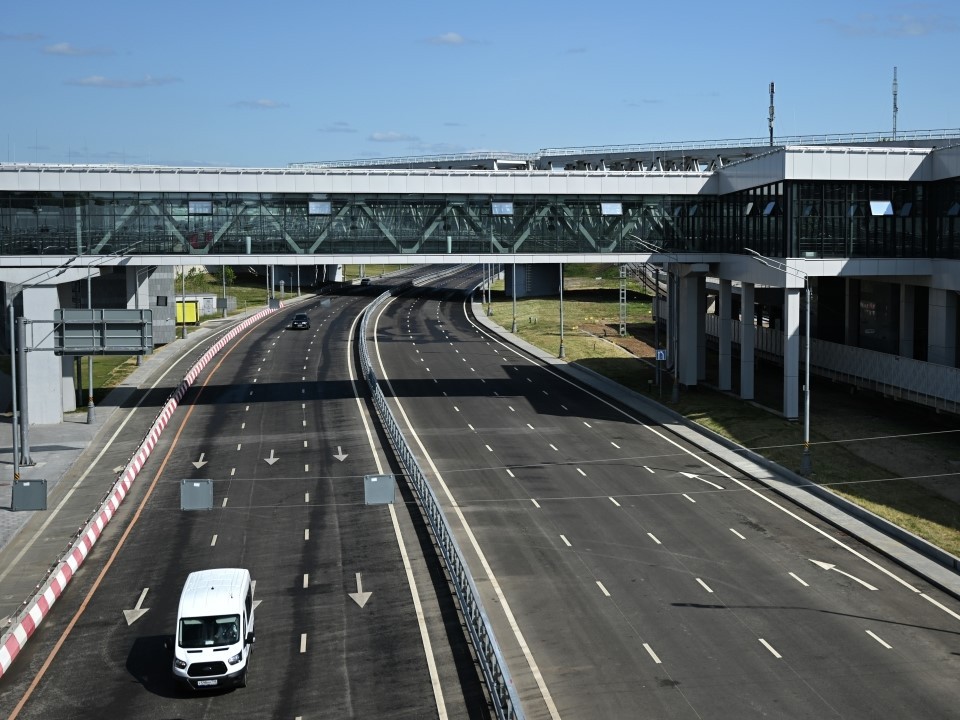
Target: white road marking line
{"x": 649, "y": 470}
{"x": 705, "y": 586}
{"x": 587, "y": 424}
{"x": 603, "y": 589}
{"x": 535, "y": 503}
{"x": 239, "y": 445}
{"x": 565, "y": 541}
{"x": 243, "y": 426}
{"x": 614, "y": 502}
{"x": 303, "y": 406}
{"x": 531, "y": 426}
{"x": 581, "y": 472}
{"x": 224, "y": 503}
{"x": 652, "y": 654}
{"x": 511, "y": 408}
{"x": 306, "y": 533}
{"x": 554, "y": 447}
{"x": 689, "y": 498}
{"x": 614, "y": 444}
{"x": 306, "y": 580}
{"x": 306, "y": 497}
{"x": 471, "y": 427}
{"x": 456, "y": 409}
{"x": 545, "y": 392}
{"x": 304, "y": 423}
{"x": 737, "y": 534}
{"x": 654, "y": 538}
{"x": 232, "y": 471}
{"x": 306, "y": 468}
{"x": 564, "y": 407}
{"x": 799, "y": 580}
{"x": 303, "y": 642}
{"x": 213, "y": 541}
{"x": 940, "y": 605}
{"x": 769, "y": 647}
{"x": 254, "y": 381}
{"x": 529, "y": 380}
{"x": 304, "y": 443}
{"x": 248, "y": 408}
{"x": 488, "y": 448}
{"x": 879, "y": 640}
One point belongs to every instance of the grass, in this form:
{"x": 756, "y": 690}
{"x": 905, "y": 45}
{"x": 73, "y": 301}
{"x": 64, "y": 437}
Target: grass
{"x": 870, "y": 474}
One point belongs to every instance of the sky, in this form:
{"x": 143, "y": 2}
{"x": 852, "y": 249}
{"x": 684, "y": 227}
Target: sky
{"x": 207, "y": 83}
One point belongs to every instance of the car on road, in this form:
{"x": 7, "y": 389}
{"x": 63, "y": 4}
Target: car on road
{"x": 215, "y": 629}
{"x": 301, "y": 321}
{"x": 365, "y": 281}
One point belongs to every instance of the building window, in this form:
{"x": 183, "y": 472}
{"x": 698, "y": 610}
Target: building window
{"x": 881, "y": 207}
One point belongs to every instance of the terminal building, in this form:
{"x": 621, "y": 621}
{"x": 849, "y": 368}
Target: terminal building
{"x": 870, "y": 224}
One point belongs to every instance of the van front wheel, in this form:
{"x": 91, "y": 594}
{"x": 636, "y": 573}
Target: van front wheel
{"x": 242, "y": 680}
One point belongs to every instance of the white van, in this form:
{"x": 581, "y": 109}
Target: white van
{"x": 215, "y": 633}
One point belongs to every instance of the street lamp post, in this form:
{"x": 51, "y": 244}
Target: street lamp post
{"x": 513, "y": 292}
{"x": 562, "y": 354}
{"x": 91, "y": 412}
{"x": 806, "y": 462}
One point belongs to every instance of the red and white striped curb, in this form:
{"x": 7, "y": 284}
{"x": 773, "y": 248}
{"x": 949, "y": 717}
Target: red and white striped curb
{"x": 12, "y": 641}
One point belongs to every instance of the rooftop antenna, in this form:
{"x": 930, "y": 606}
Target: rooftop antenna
{"x": 895, "y": 108}
{"x": 770, "y": 119}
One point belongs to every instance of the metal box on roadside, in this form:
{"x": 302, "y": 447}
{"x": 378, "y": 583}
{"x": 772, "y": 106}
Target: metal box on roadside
{"x": 29, "y": 495}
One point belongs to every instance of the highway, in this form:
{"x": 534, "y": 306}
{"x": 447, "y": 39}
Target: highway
{"x": 353, "y": 616}
{"x": 629, "y": 576}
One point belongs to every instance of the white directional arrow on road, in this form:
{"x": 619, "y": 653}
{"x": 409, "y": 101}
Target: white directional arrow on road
{"x": 271, "y": 460}
{"x": 828, "y": 566}
{"x": 360, "y": 597}
{"x": 200, "y": 463}
{"x": 691, "y": 476}
{"x": 341, "y": 455}
{"x": 139, "y": 611}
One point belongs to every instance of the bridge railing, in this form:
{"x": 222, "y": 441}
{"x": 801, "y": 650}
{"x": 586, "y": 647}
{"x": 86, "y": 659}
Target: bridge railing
{"x": 506, "y": 703}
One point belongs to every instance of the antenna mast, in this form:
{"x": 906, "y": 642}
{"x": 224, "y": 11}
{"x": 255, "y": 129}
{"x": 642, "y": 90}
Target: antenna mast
{"x": 895, "y": 108}
{"x": 770, "y": 119}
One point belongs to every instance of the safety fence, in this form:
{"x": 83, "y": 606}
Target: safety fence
{"x": 497, "y": 676}
{"x": 35, "y": 608}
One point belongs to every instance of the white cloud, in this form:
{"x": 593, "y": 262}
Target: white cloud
{"x": 391, "y": 136}
{"x": 338, "y": 127}
{"x": 70, "y": 50}
{"x": 99, "y": 81}
{"x": 262, "y": 104}
{"x": 449, "y": 38}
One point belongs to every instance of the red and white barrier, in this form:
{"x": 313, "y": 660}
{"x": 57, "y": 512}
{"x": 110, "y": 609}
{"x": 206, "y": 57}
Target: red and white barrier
{"x": 39, "y": 605}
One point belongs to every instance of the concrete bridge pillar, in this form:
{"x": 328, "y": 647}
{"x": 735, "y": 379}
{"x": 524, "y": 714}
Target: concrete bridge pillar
{"x": 725, "y": 315}
{"x": 942, "y": 327}
{"x": 748, "y": 339}
{"x": 791, "y": 352}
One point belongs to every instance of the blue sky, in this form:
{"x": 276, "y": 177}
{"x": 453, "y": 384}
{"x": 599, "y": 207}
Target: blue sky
{"x": 240, "y": 83}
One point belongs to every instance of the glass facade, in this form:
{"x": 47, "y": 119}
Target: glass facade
{"x": 784, "y": 219}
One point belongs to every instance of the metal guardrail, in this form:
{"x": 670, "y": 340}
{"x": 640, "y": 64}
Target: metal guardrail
{"x": 497, "y": 676}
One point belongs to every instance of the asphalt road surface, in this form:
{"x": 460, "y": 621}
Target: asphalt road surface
{"x": 354, "y": 618}
{"x": 629, "y": 576}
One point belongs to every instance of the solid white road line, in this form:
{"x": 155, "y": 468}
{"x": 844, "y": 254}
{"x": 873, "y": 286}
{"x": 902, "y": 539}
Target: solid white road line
{"x": 603, "y": 589}
{"x": 769, "y": 647}
{"x": 737, "y": 534}
{"x": 705, "y": 586}
{"x": 306, "y": 580}
{"x": 940, "y": 605}
{"x": 879, "y": 640}
{"x": 306, "y": 533}
{"x": 652, "y": 654}
{"x": 799, "y": 580}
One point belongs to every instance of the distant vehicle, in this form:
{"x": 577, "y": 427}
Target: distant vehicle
{"x": 215, "y": 629}
{"x": 365, "y": 281}
{"x": 300, "y": 322}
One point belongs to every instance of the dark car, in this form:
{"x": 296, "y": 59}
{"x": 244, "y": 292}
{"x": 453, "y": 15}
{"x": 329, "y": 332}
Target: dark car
{"x": 300, "y": 322}
{"x": 365, "y": 281}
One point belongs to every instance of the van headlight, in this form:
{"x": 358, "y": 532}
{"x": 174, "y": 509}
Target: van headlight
{"x": 179, "y": 664}
{"x": 235, "y": 659}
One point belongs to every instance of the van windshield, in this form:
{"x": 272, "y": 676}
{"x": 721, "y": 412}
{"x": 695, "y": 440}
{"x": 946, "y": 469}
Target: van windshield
{"x": 212, "y": 631}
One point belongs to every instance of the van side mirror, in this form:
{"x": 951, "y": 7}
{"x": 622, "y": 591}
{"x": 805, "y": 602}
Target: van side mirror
{"x": 250, "y": 638}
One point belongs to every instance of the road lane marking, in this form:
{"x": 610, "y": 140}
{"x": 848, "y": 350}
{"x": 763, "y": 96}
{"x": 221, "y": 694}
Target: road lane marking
{"x": 614, "y": 444}
{"x": 565, "y": 541}
{"x": 471, "y": 427}
{"x": 243, "y": 426}
{"x": 799, "y": 580}
{"x": 649, "y": 470}
{"x": 306, "y": 580}
{"x": 652, "y": 654}
{"x": 224, "y": 503}
{"x": 705, "y": 586}
{"x": 554, "y": 447}
{"x": 303, "y": 643}
{"x": 239, "y": 445}
{"x": 879, "y": 640}
{"x": 213, "y": 542}
{"x": 769, "y": 647}
{"x": 581, "y": 472}
{"x": 306, "y": 497}
{"x": 247, "y": 409}
{"x": 535, "y": 503}
{"x": 232, "y": 471}
{"x": 531, "y": 426}
{"x": 456, "y": 409}
{"x": 614, "y": 501}
{"x": 737, "y": 534}
{"x": 587, "y": 424}
{"x": 654, "y": 538}
{"x": 689, "y": 498}
{"x": 306, "y": 533}
{"x": 509, "y": 472}
{"x": 940, "y": 605}
{"x": 306, "y": 467}
{"x": 603, "y": 589}
{"x": 304, "y": 443}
